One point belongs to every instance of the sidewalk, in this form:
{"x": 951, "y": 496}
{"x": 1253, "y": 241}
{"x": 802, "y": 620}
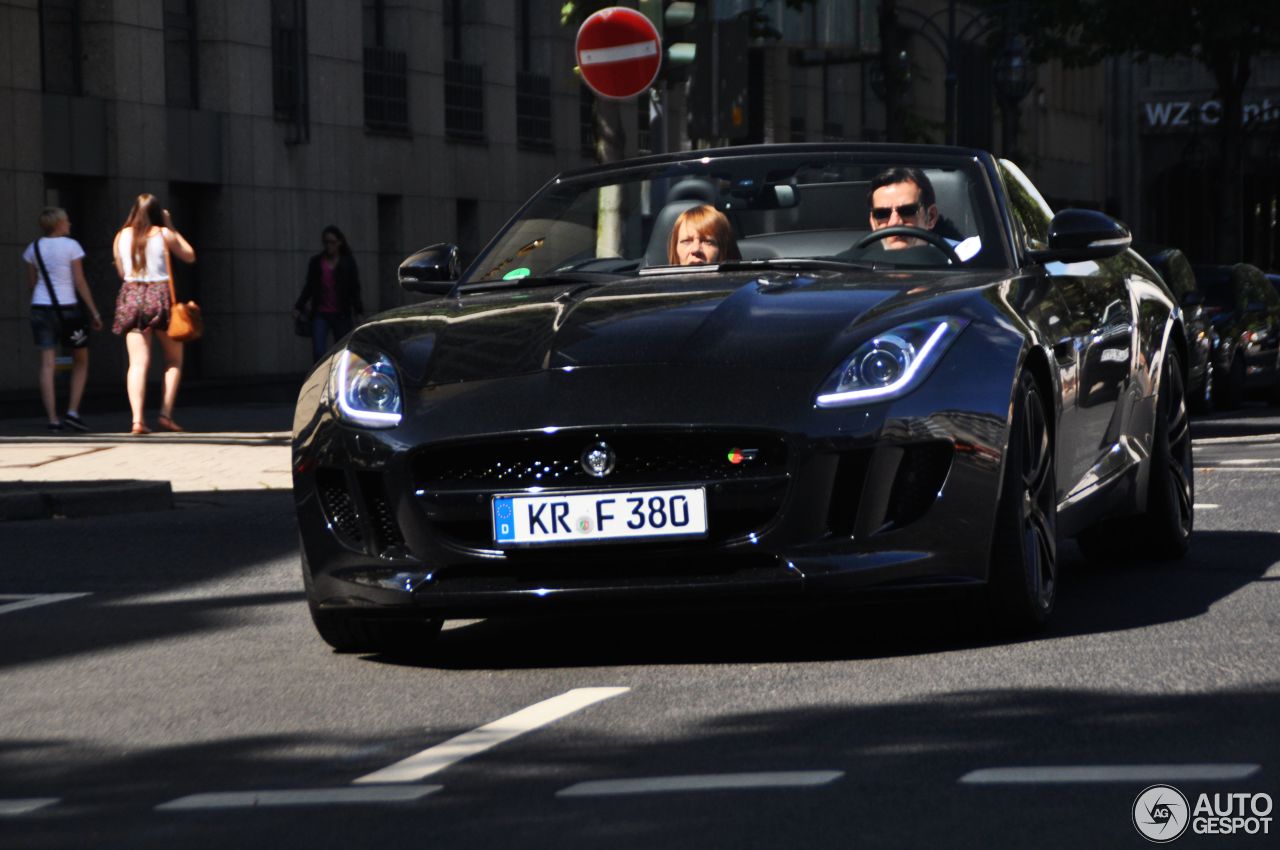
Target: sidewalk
{"x": 230, "y": 444}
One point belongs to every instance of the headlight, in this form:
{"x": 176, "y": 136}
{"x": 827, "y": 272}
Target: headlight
{"x": 365, "y": 392}
{"x": 890, "y": 364}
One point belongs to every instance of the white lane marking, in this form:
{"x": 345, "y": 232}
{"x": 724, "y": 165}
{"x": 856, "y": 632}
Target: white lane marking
{"x": 467, "y": 744}
{"x": 709, "y": 782}
{"x": 299, "y": 797}
{"x": 1206, "y": 506}
{"x": 21, "y": 806}
{"x": 621, "y": 53}
{"x": 1108, "y": 773}
{"x": 1244, "y": 461}
{"x": 1238, "y": 468}
{"x": 32, "y": 600}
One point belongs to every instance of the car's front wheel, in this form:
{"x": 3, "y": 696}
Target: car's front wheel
{"x": 1023, "y": 580}
{"x": 1163, "y": 531}
{"x": 348, "y": 631}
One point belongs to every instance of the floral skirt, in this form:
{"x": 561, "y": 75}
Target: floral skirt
{"x": 141, "y": 306}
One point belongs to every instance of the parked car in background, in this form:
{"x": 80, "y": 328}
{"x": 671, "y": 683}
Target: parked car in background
{"x": 1202, "y": 337}
{"x": 1245, "y": 310}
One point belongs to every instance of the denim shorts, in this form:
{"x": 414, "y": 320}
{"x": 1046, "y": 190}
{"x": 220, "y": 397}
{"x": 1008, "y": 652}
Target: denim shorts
{"x": 44, "y": 324}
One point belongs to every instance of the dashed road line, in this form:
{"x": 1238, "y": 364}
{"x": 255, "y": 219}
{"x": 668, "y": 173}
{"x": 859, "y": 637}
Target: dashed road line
{"x": 25, "y": 805}
{"x": 437, "y": 758}
{"x": 364, "y": 795}
{"x": 32, "y": 600}
{"x": 706, "y": 782}
{"x": 1086, "y": 773}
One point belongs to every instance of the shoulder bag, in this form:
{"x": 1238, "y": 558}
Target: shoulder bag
{"x": 73, "y": 330}
{"x": 186, "y": 324}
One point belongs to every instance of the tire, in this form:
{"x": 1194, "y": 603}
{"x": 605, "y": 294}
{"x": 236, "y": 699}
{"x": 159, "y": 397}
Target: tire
{"x": 1170, "y": 516}
{"x": 350, "y": 632}
{"x": 1023, "y": 579}
{"x": 1229, "y": 391}
{"x": 1163, "y": 531}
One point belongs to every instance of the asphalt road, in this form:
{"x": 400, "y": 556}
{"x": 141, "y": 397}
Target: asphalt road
{"x": 182, "y": 699}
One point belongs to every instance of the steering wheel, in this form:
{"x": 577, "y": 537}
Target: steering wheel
{"x": 928, "y": 236}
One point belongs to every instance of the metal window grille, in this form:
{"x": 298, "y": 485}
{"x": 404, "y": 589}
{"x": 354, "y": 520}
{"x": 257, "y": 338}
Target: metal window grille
{"x": 463, "y": 101}
{"x": 533, "y": 110}
{"x": 386, "y": 90}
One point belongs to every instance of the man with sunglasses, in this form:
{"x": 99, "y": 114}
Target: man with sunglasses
{"x": 904, "y": 196}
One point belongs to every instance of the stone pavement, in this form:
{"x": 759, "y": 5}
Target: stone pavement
{"x": 230, "y": 444}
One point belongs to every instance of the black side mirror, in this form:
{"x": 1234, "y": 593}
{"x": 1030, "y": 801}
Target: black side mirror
{"x": 432, "y": 271}
{"x": 1079, "y": 235}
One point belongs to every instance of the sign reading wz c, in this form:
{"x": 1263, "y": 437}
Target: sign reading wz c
{"x": 1177, "y": 114}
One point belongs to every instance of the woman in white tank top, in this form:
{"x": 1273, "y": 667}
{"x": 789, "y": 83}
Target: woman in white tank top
{"x": 142, "y": 307}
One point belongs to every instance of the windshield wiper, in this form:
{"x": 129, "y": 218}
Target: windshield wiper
{"x": 553, "y": 279}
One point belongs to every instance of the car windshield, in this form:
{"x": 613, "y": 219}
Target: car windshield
{"x": 794, "y": 208}
{"x": 1218, "y": 287}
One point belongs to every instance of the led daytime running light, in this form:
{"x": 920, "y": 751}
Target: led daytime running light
{"x": 343, "y": 386}
{"x": 908, "y": 375}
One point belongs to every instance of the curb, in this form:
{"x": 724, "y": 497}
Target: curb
{"x": 66, "y": 499}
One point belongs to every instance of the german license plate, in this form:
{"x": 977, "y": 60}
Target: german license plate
{"x": 580, "y": 517}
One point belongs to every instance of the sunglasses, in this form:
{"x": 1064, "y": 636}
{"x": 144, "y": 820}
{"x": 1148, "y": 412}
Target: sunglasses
{"x": 904, "y": 212}
{"x": 332, "y": 241}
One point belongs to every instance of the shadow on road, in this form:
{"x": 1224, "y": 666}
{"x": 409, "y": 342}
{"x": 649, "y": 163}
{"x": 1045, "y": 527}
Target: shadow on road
{"x": 1092, "y": 599}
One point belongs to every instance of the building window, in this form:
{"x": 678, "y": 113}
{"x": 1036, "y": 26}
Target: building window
{"x": 533, "y": 110}
{"x": 464, "y": 101}
{"x": 60, "y": 47}
{"x": 386, "y": 75}
{"x": 289, "y": 65}
{"x": 463, "y": 81}
{"x": 180, "y": 54}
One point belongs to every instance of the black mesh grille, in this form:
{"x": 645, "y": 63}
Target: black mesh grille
{"x": 382, "y": 519}
{"x": 642, "y": 458}
{"x": 339, "y": 508}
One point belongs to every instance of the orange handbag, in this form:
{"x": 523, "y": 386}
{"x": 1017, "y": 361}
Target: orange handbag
{"x": 185, "y": 322}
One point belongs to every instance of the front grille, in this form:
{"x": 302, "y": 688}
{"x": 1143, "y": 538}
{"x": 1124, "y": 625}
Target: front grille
{"x": 339, "y": 506}
{"x": 455, "y": 482}
{"x": 643, "y": 459}
{"x": 359, "y": 514}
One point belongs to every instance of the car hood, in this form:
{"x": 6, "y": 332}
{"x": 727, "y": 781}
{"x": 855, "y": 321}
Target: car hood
{"x": 775, "y": 320}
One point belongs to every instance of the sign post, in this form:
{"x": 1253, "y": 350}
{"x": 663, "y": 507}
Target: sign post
{"x": 619, "y": 52}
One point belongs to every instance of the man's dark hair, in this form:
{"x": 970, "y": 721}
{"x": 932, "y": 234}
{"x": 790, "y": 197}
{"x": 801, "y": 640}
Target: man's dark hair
{"x": 901, "y": 174}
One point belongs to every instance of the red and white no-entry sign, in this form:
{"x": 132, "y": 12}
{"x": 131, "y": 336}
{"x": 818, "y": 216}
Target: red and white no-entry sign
{"x": 619, "y": 51}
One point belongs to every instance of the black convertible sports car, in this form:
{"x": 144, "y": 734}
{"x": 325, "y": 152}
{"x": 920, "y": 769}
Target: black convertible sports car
{"x": 574, "y": 421}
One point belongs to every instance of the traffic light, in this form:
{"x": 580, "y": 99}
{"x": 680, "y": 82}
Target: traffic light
{"x": 719, "y": 90}
{"x": 676, "y": 22}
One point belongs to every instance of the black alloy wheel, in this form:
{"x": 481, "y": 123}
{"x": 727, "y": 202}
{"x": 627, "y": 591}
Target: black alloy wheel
{"x": 1162, "y": 532}
{"x": 1023, "y": 581}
